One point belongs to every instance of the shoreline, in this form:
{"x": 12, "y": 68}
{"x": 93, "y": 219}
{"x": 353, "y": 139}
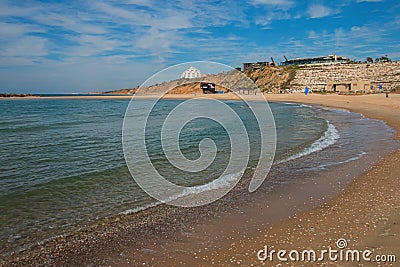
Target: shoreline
{"x": 318, "y": 99}
{"x": 226, "y": 96}
{"x": 264, "y": 234}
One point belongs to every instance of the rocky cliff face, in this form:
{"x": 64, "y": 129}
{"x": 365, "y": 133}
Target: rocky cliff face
{"x": 273, "y": 79}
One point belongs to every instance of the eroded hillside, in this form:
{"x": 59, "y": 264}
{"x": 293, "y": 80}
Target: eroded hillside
{"x": 273, "y": 79}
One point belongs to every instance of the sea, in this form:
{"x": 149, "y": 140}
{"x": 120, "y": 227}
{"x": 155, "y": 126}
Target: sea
{"x": 62, "y": 165}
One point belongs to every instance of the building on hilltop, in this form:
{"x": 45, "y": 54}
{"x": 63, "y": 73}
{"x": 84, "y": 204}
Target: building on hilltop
{"x": 255, "y": 65}
{"x": 191, "y": 73}
{"x": 328, "y": 60}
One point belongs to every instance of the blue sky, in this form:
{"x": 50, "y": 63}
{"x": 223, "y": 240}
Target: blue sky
{"x": 82, "y": 46}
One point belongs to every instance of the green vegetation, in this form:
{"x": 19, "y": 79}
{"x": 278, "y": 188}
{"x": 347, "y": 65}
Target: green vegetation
{"x": 15, "y": 95}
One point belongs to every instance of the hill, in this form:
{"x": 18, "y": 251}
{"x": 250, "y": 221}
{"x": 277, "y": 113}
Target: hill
{"x": 284, "y": 79}
{"x": 224, "y": 81}
{"x": 273, "y": 79}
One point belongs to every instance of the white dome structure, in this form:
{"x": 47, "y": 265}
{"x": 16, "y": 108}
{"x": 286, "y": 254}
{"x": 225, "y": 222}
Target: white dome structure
{"x": 191, "y": 73}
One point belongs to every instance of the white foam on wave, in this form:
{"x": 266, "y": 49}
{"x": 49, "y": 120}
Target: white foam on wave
{"x": 329, "y": 138}
{"x": 323, "y": 166}
{"x": 306, "y": 106}
{"x": 225, "y": 181}
{"x": 140, "y": 208}
{"x": 297, "y": 104}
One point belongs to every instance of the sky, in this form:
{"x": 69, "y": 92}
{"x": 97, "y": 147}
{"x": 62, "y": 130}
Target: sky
{"x": 85, "y": 46}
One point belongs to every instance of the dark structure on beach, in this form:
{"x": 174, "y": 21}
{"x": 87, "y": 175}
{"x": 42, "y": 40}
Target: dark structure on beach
{"x": 208, "y": 88}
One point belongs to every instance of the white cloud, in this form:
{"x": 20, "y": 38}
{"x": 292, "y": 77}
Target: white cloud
{"x": 319, "y": 11}
{"x": 9, "y": 9}
{"x": 13, "y": 30}
{"x": 29, "y": 46}
{"x": 355, "y": 41}
{"x": 157, "y": 42}
{"x": 313, "y": 35}
{"x": 146, "y": 3}
{"x": 360, "y": 1}
{"x": 92, "y": 45}
{"x": 132, "y": 26}
{"x": 70, "y": 23}
{"x": 118, "y": 14}
{"x": 266, "y": 20}
{"x": 280, "y": 3}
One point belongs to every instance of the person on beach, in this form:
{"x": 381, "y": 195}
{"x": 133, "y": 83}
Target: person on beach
{"x": 387, "y": 94}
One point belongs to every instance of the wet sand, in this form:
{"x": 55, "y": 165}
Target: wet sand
{"x": 226, "y": 234}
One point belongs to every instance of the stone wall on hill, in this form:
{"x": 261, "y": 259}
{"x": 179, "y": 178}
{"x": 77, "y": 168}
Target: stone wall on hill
{"x": 316, "y": 77}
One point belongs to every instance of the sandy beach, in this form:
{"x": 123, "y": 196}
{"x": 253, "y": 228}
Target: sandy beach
{"x": 364, "y": 212}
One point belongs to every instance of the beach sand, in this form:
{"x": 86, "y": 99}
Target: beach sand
{"x": 365, "y": 212}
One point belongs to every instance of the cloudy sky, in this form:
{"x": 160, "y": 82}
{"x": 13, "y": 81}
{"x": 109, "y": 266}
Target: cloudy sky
{"x": 81, "y": 46}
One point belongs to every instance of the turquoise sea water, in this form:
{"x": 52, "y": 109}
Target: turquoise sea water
{"x": 62, "y": 164}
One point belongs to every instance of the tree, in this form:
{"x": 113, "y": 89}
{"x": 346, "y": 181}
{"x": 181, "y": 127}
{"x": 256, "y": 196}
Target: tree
{"x": 384, "y": 59}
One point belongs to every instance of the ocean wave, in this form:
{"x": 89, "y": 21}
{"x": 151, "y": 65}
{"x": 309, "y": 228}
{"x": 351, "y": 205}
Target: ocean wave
{"x": 323, "y": 166}
{"x": 139, "y": 208}
{"x": 305, "y": 106}
{"x": 330, "y": 137}
{"x": 225, "y": 181}
{"x": 298, "y": 104}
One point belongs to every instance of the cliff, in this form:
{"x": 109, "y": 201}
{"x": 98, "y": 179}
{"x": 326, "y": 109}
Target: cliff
{"x": 273, "y": 79}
